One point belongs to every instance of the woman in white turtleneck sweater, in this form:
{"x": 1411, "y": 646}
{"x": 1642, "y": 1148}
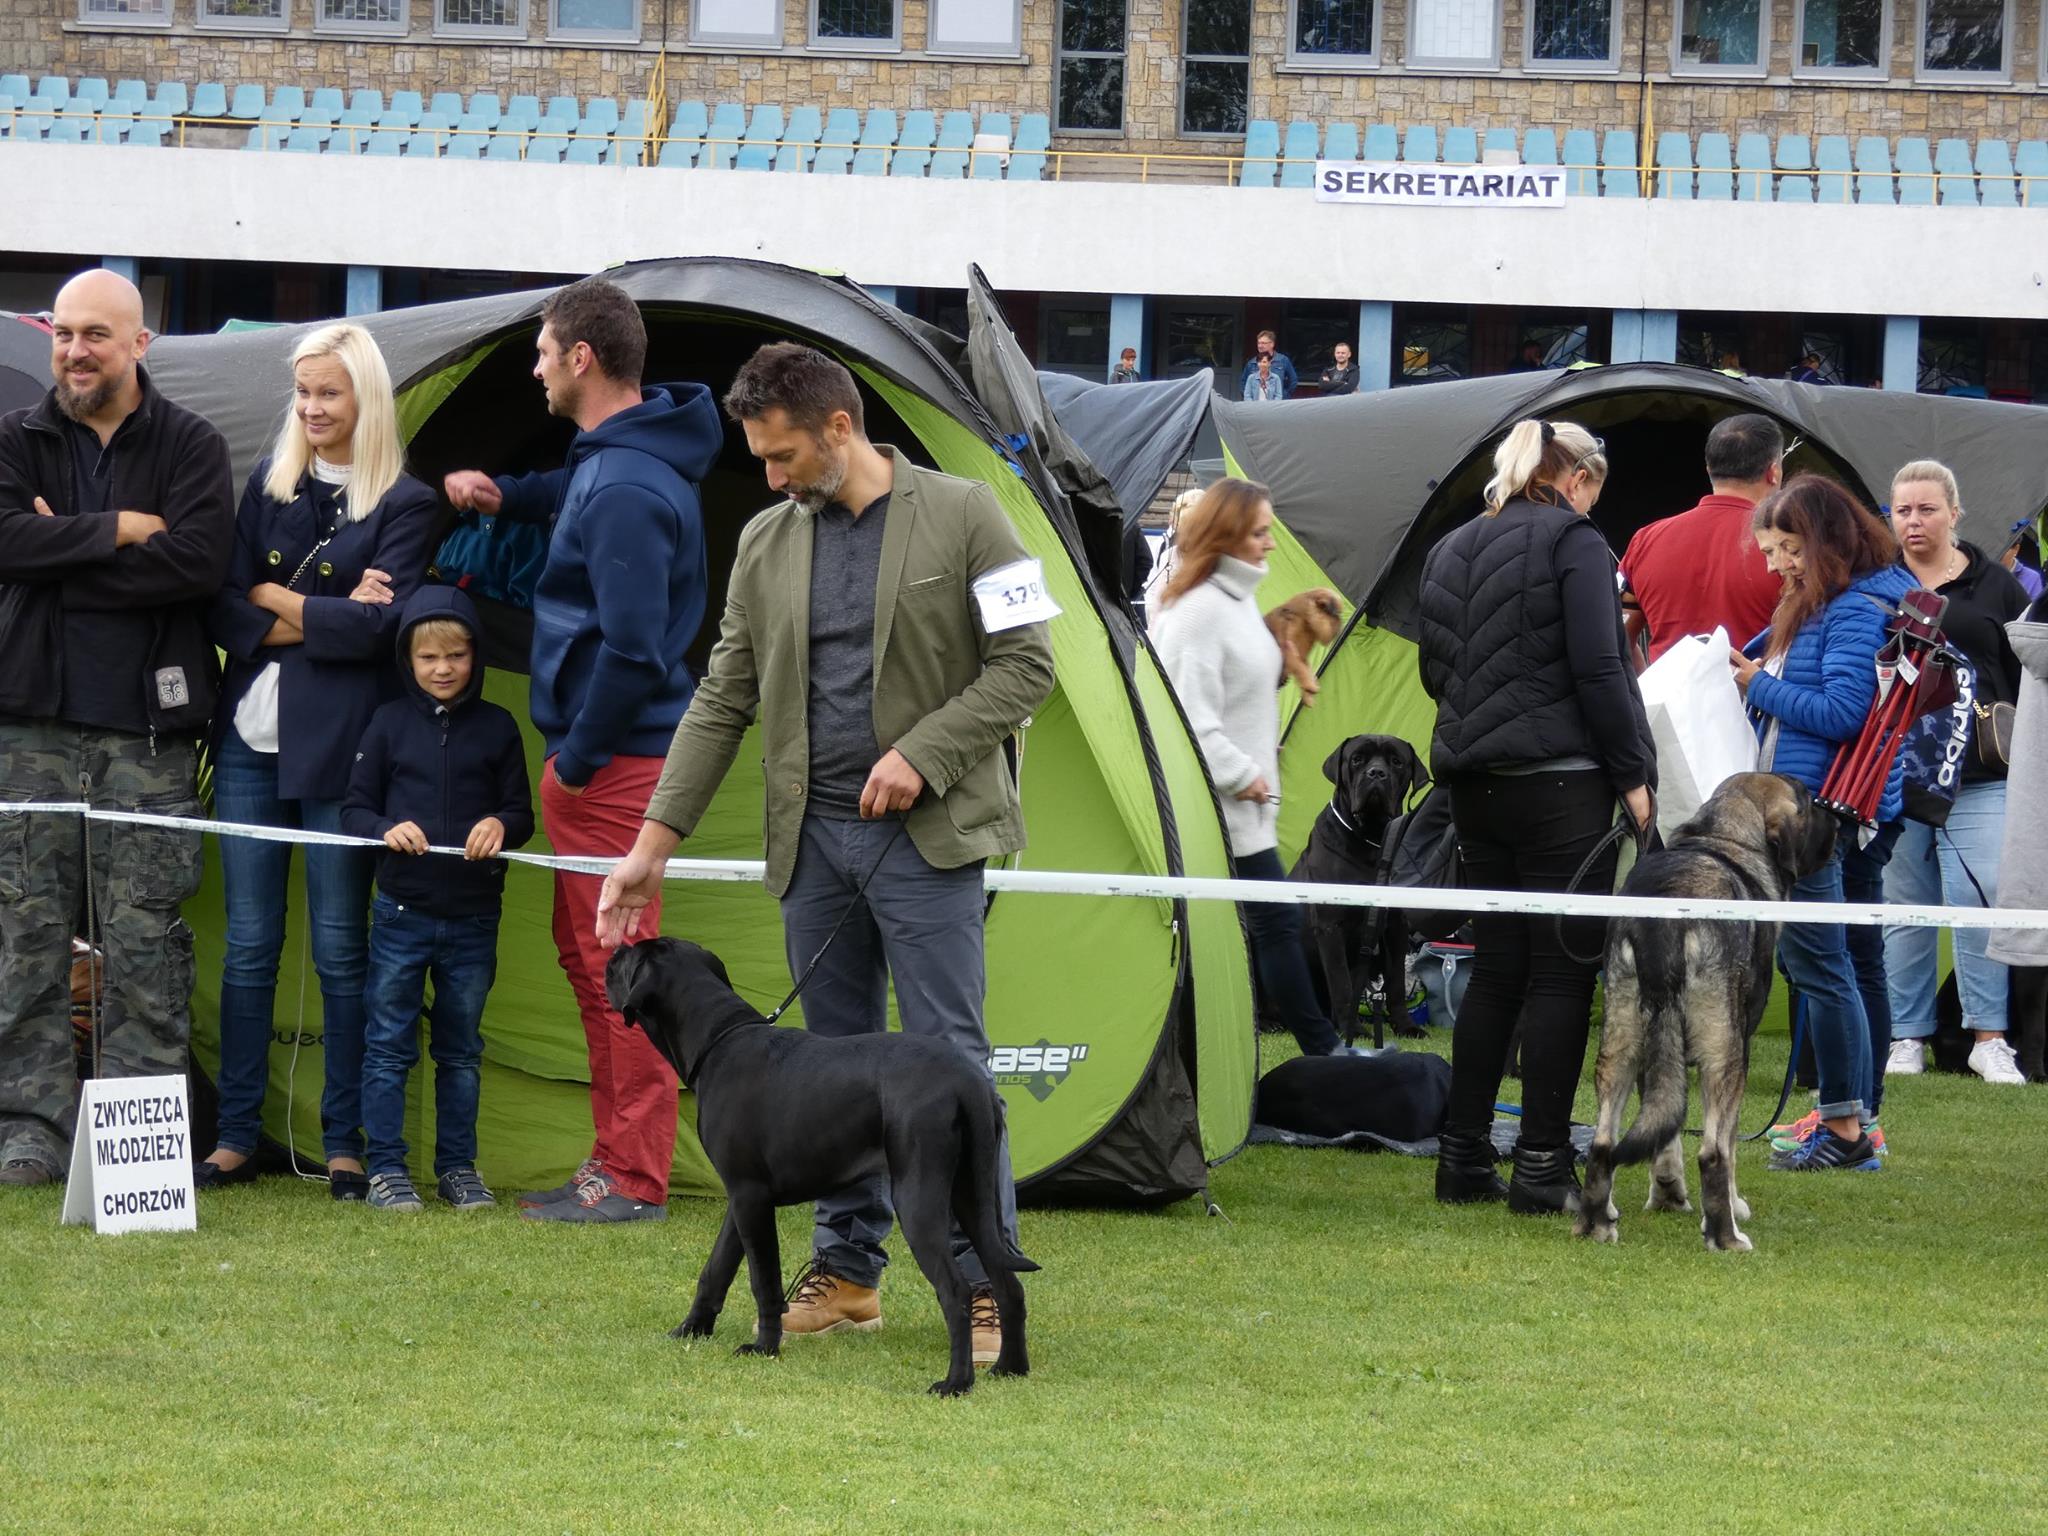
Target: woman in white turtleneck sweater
{"x": 1225, "y": 665}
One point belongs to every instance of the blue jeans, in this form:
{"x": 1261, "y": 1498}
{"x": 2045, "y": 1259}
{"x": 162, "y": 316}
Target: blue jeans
{"x": 1863, "y": 883}
{"x": 258, "y": 878}
{"x": 919, "y": 928}
{"x": 1816, "y": 958}
{"x": 460, "y": 955}
{"x": 1928, "y": 869}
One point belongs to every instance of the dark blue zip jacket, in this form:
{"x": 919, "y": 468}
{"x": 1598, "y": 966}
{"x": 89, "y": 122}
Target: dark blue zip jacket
{"x": 623, "y": 592}
{"x": 446, "y": 767}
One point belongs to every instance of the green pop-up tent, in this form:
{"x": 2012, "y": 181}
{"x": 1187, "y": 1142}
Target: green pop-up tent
{"x": 1122, "y": 1027}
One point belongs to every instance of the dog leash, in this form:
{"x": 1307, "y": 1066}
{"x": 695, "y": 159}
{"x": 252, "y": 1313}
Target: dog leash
{"x": 1622, "y": 830}
{"x": 858, "y": 895}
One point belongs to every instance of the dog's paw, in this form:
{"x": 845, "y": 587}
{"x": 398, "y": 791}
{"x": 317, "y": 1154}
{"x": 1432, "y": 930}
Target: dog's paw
{"x": 1600, "y": 1231}
{"x": 695, "y": 1325}
{"x": 1736, "y": 1243}
{"x": 1000, "y": 1369}
{"x": 1665, "y": 1198}
{"x": 756, "y": 1347}
{"x": 951, "y": 1388}
{"x": 1741, "y": 1207}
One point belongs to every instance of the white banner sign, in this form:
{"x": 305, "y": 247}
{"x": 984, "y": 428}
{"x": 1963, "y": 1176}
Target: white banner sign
{"x": 131, "y": 1157}
{"x": 1441, "y": 186}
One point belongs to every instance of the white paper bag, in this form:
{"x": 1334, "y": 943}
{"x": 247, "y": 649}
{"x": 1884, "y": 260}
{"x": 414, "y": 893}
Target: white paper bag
{"x": 1701, "y": 730}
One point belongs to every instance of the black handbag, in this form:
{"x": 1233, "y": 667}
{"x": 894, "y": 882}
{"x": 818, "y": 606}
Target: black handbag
{"x": 1992, "y": 737}
{"x": 1419, "y": 850}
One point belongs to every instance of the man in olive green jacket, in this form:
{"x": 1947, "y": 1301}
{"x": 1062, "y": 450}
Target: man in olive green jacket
{"x": 889, "y": 631}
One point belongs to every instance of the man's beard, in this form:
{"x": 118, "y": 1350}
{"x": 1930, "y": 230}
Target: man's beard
{"x": 82, "y": 404}
{"x": 816, "y": 496}
{"x": 563, "y": 401}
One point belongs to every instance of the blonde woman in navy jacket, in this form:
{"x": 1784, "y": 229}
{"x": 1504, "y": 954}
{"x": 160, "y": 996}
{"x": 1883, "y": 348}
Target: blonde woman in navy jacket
{"x": 331, "y": 538}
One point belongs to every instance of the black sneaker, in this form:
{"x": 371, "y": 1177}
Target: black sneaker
{"x": 393, "y": 1192}
{"x": 589, "y": 1169}
{"x": 464, "y": 1189}
{"x": 598, "y": 1201}
{"x": 1824, "y": 1150}
{"x": 347, "y": 1184}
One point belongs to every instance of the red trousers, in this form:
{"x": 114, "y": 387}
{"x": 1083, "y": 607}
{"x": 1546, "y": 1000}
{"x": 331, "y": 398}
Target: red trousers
{"x": 632, "y": 1090}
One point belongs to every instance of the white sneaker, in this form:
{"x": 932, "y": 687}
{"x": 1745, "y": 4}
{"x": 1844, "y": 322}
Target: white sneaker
{"x": 1995, "y": 1062}
{"x": 1908, "y": 1058}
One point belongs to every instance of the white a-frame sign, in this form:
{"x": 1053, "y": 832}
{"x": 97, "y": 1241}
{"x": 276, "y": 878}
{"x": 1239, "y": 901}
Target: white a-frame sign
{"x": 131, "y": 1157}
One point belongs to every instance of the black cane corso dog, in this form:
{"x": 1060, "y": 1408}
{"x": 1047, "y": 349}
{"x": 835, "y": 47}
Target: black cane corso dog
{"x": 786, "y": 1116}
{"x": 1373, "y": 775}
{"x": 1693, "y": 990}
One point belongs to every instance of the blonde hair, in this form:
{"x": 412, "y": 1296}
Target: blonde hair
{"x": 1220, "y": 520}
{"x": 1931, "y": 472}
{"x": 376, "y": 455}
{"x": 438, "y": 632}
{"x": 1537, "y": 452}
{"x": 1183, "y": 504}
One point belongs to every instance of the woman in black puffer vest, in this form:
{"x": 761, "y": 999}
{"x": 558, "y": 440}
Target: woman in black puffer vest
{"x": 1539, "y": 730}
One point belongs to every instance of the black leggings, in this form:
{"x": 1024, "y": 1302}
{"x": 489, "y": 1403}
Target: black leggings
{"x": 1527, "y": 833}
{"x": 1278, "y": 959}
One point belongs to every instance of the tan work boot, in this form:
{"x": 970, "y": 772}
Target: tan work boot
{"x": 820, "y": 1302}
{"x": 987, "y": 1323}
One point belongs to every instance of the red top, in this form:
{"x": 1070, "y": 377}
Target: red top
{"x": 1699, "y": 569}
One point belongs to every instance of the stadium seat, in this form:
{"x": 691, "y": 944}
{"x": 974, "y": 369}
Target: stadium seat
{"x": 84, "y": 111}
{"x": 876, "y": 140}
{"x": 584, "y": 151}
{"x": 33, "y": 125}
{"x": 1027, "y": 154}
{"x": 423, "y": 146}
{"x": 17, "y": 87}
{"x": 1461, "y": 146}
{"x": 147, "y": 133}
{"x": 549, "y": 140}
{"x": 525, "y": 108}
{"x": 134, "y": 92}
{"x": 448, "y": 104}
{"x": 2031, "y": 161}
{"x": 54, "y": 90}
{"x": 1753, "y": 160}
{"x": 387, "y": 141}
{"x": 352, "y": 130}
{"x": 1674, "y": 165}
{"x": 117, "y": 118}
{"x": 1621, "y": 175}
{"x": 289, "y": 100}
{"x": 267, "y": 136}
{"x": 633, "y": 121}
{"x": 1382, "y": 144}
{"x": 371, "y": 101}
{"x": 398, "y": 122}
{"x": 564, "y": 106}
{"x": 1795, "y": 158}
{"x": 209, "y": 99}
{"x": 248, "y": 103}
{"x": 835, "y": 151}
{"x": 91, "y": 89}
{"x": 328, "y": 98}
{"x": 487, "y": 106}
{"x": 318, "y": 120}
{"x": 1916, "y": 172}
{"x": 956, "y": 137}
{"x": 991, "y": 147}
{"x": 1995, "y": 174}
{"x": 406, "y": 104}
{"x": 303, "y": 141}
{"x": 914, "y": 144}
{"x": 685, "y": 136}
{"x": 721, "y": 137}
{"x": 800, "y": 140}
{"x": 1501, "y": 143}
{"x": 506, "y": 145}
{"x": 1874, "y": 170}
{"x": 68, "y": 130}
{"x": 1418, "y": 145}
{"x": 1340, "y": 141}
{"x": 1831, "y": 155}
{"x": 1261, "y": 153}
{"x": 1956, "y": 177}
{"x": 435, "y": 122}
{"x": 602, "y": 113}
{"x": 1298, "y": 152}
{"x": 764, "y": 133}
{"x": 1581, "y": 157}
{"x": 464, "y": 146}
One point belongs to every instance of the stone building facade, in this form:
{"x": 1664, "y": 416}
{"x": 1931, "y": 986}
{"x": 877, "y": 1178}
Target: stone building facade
{"x": 1651, "y": 78}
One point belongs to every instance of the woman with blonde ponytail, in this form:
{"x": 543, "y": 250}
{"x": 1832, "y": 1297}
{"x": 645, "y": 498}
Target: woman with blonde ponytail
{"x": 331, "y": 538}
{"x": 1539, "y": 731}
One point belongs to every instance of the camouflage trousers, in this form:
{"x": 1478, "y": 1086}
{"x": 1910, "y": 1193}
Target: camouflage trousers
{"x": 138, "y": 879}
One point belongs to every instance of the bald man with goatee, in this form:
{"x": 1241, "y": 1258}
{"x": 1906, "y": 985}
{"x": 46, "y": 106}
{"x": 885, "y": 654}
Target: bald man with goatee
{"x": 116, "y": 516}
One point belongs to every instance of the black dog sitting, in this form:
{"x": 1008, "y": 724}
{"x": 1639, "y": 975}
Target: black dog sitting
{"x": 786, "y": 1116}
{"x": 1373, "y": 775}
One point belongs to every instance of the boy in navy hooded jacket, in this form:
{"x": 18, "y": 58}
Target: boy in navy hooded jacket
{"x": 438, "y": 767}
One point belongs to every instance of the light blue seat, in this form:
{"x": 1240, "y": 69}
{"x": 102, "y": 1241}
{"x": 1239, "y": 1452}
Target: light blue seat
{"x": 721, "y": 138}
{"x": 520, "y": 106}
{"x": 1501, "y": 142}
{"x": 289, "y": 100}
{"x": 134, "y": 92}
{"x": 387, "y": 141}
{"x": 1027, "y": 155}
{"x": 1340, "y": 141}
{"x": 487, "y": 106}
{"x": 1753, "y": 160}
{"x": 1674, "y": 165}
{"x": 17, "y": 87}
{"x": 1382, "y": 144}
{"x": 1995, "y": 182}
{"x": 68, "y": 130}
{"x": 117, "y": 119}
{"x": 318, "y": 120}
{"x": 602, "y": 113}
{"x": 989, "y": 167}
{"x": 147, "y": 133}
{"x": 170, "y": 100}
{"x": 506, "y": 145}
{"x": 472, "y": 131}
{"x": 1916, "y": 172}
{"x": 685, "y": 135}
{"x": 34, "y": 125}
{"x": 267, "y": 136}
{"x": 423, "y": 145}
{"x": 209, "y": 99}
{"x": 1581, "y": 161}
{"x": 303, "y": 141}
{"x": 550, "y": 139}
{"x": 956, "y": 136}
{"x": 625, "y": 148}
{"x": 2031, "y": 161}
{"x": 464, "y": 146}
{"x": 835, "y": 151}
{"x": 914, "y": 145}
{"x": 247, "y": 104}
{"x": 352, "y": 129}
{"x": 1261, "y": 153}
{"x": 1795, "y": 156}
{"x": 764, "y": 133}
{"x": 1874, "y": 170}
{"x": 85, "y": 111}
{"x": 407, "y": 104}
{"x": 401, "y": 122}
{"x": 877, "y": 138}
{"x": 584, "y": 151}
{"x": 1418, "y": 145}
{"x": 800, "y": 140}
{"x": 448, "y": 104}
{"x": 54, "y": 90}
{"x": 564, "y": 106}
{"x": 328, "y": 98}
{"x": 1621, "y": 174}
{"x": 633, "y": 122}
{"x": 370, "y": 100}
{"x": 436, "y": 122}
{"x": 1298, "y": 153}
{"x": 1831, "y": 155}
{"x": 91, "y": 89}
{"x": 1956, "y": 177}
{"x": 1461, "y": 146}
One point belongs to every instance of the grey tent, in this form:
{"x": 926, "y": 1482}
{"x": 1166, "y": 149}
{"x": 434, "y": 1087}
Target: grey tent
{"x": 24, "y": 361}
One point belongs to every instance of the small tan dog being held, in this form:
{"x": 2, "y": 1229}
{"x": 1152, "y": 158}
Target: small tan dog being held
{"x": 1304, "y": 621}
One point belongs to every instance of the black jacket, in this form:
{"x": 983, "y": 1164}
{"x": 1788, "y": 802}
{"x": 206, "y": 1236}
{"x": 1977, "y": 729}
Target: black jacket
{"x": 445, "y": 767}
{"x": 1981, "y": 602}
{"x": 143, "y": 606}
{"x": 1521, "y": 646}
{"x": 331, "y": 683}
{"x": 1339, "y": 381}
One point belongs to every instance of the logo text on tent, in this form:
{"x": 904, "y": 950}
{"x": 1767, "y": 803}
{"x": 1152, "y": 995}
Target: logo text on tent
{"x": 1037, "y": 1069}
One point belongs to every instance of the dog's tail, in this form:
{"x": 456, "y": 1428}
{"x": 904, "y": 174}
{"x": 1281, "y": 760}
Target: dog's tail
{"x": 978, "y": 1195}
{"x": 1662, "y": 1112}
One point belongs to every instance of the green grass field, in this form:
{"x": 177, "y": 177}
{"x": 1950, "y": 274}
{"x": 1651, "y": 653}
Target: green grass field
{"x": 1335, "y": 1352}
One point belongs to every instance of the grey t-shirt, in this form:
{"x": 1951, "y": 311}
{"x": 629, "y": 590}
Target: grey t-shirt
{"x": 846, "y": 560}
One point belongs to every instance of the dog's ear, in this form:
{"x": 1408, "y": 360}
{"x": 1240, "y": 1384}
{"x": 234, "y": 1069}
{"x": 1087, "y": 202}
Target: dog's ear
{"x": 717, "y": 968}
{"x": 1418, "y": 772}
{"x": 1334, "y": 763}
{"x": 1799, "y": 834}
{"x": 635, "y": 985}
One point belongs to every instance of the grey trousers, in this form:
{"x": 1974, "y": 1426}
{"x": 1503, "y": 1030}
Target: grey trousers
{"x": 921, "y": 928}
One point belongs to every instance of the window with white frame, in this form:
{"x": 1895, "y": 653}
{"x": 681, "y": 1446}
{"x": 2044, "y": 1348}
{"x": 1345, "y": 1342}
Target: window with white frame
{"x": 359, "y": 16}
{"x": 1093, "y": 35}
{"x": 256, "y": 15}
{"x": 993, "y": 27}
{"x": 1965, "y": 39}
{"x": 1844, "y": 38}
{"x": 856, "y": 23}
{"x": 1572, "y": 34}
{"x": 1724, "y": 37}
{"x": 737, "y": 23}
{"x": 1216, "y": 66}
{"x": 1454, "y": 34}
{"x": 126, "y": 13}
{"x": 493, "y": 18}
{"x": 1340, "y": 32}
{"x": 597, "y": 20}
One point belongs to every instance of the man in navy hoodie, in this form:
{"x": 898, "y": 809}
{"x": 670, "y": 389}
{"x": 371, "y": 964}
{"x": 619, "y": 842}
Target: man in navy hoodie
{"x": 437, "y": 768}
{"x": 619, "y": 600}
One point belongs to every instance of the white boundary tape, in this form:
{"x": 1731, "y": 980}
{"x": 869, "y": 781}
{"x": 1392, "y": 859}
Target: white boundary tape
{"x": 1155, "y": 887}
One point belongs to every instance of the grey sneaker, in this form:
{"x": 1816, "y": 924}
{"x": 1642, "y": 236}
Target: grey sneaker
{"x": 588, "y": 1169}
{"x": 28, "y": 1170}
{"x": 598, "y": 1201}
{"x": 393, "y": 1192}
{"x": 464, "y": 1189}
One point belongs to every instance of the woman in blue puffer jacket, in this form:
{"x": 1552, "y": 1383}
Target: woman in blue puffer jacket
{"x": 1809, "y": 692}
